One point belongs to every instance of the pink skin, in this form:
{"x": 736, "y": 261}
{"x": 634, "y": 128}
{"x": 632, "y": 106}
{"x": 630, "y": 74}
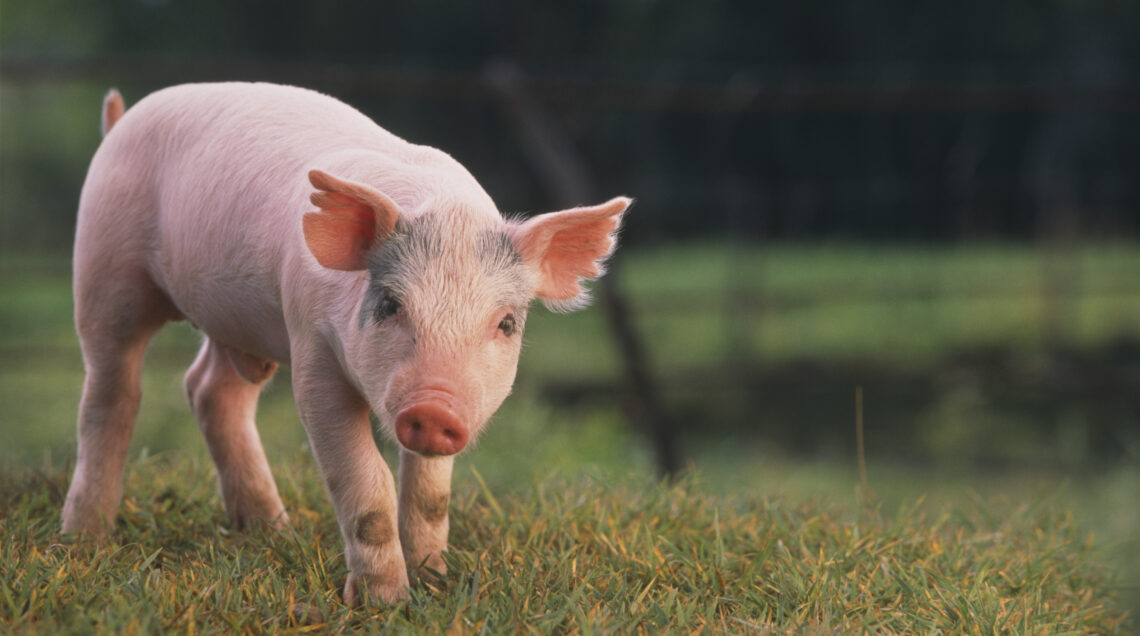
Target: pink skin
{"x": 404, "y": 293}
{"x": 430, "y": 427}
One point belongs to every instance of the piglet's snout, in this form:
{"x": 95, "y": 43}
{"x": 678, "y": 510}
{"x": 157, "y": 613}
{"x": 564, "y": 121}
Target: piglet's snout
{"x": 430, "y": 428}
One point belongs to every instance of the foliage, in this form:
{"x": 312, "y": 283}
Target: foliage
{"x": 597, "y": 553}
{"x": 730, "y": 329}
{"x": 1019, "y": 129}
{"x": 957, "y": 350}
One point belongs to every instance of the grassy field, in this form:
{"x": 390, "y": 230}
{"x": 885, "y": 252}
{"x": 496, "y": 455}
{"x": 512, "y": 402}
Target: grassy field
{"x": 583, "y": 555}
{"x": 569, "y": 532}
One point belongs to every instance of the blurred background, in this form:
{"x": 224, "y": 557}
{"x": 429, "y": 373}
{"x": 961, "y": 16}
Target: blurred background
{"x": 934, "y": 205}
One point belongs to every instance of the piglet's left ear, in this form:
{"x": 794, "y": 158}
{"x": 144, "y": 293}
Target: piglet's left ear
{"x": 565, "y": 247}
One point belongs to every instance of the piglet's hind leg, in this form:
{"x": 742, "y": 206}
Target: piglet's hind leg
{"x": 115, "y": 316}
{"x": 223, "y": 386}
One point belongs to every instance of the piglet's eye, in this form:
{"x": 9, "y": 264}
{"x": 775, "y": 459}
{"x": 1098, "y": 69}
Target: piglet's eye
{"x": 507, "y": 325}
{"x": 387, "y": 307}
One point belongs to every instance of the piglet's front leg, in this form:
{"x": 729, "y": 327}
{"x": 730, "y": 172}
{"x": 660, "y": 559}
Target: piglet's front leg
{"x": 425, "y": 491}
{"x": 359, "y": 483}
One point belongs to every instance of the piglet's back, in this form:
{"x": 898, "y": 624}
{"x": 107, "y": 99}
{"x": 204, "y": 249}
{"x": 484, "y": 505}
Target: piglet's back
{"x": 207, "y": 182}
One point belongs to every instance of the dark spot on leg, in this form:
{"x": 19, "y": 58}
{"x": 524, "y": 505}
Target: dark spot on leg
{"x": 373, "y": 528}
{"x": 433, "y": 507}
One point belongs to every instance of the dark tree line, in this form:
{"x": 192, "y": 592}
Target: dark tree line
{"x": 899, "y": 120}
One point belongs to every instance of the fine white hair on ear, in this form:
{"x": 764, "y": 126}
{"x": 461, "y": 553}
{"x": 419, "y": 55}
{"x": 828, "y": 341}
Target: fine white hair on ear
{"x": 581, "y": 301}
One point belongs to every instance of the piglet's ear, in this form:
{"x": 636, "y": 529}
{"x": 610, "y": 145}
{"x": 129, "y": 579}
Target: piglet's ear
{"x": 565, "y": 247}
{"x": 353, "y": 218}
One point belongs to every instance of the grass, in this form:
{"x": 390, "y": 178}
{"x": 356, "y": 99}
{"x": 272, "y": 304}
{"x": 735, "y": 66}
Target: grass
{"x": 570, "y": 533}
{"x": 587, "y": 554}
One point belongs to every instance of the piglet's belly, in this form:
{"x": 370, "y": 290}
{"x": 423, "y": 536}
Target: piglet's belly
{"x": 235, "y": 315}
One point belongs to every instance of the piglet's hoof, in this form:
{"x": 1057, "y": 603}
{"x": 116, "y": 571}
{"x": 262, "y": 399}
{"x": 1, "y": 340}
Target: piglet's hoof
{"x": 432, "y": 570}
{"x": 258, "y": 519}
{"x": 359, "y": 586}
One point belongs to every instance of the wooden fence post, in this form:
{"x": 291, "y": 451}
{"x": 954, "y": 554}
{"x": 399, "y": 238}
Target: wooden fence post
{"x": 567, "y": 180}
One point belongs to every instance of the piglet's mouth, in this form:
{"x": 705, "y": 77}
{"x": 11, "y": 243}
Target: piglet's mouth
{"x": 431, "y": 427}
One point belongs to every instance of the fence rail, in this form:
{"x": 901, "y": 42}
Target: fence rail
{"x": 743, "y": 94}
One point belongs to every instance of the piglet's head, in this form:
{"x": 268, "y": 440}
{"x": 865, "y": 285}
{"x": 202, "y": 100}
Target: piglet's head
{"x": 437, "y": 339}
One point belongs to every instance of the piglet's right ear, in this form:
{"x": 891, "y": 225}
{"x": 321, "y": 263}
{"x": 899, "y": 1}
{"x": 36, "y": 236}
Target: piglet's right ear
{"x": 352, "y": 220}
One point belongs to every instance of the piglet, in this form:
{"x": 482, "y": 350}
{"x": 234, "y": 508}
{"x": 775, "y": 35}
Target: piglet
{"x": 291, "y": 229}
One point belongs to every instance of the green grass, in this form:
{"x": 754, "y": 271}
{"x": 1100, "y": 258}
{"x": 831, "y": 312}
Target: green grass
{"x": 591, "y": 553}
{"x": 579, "y": 538}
